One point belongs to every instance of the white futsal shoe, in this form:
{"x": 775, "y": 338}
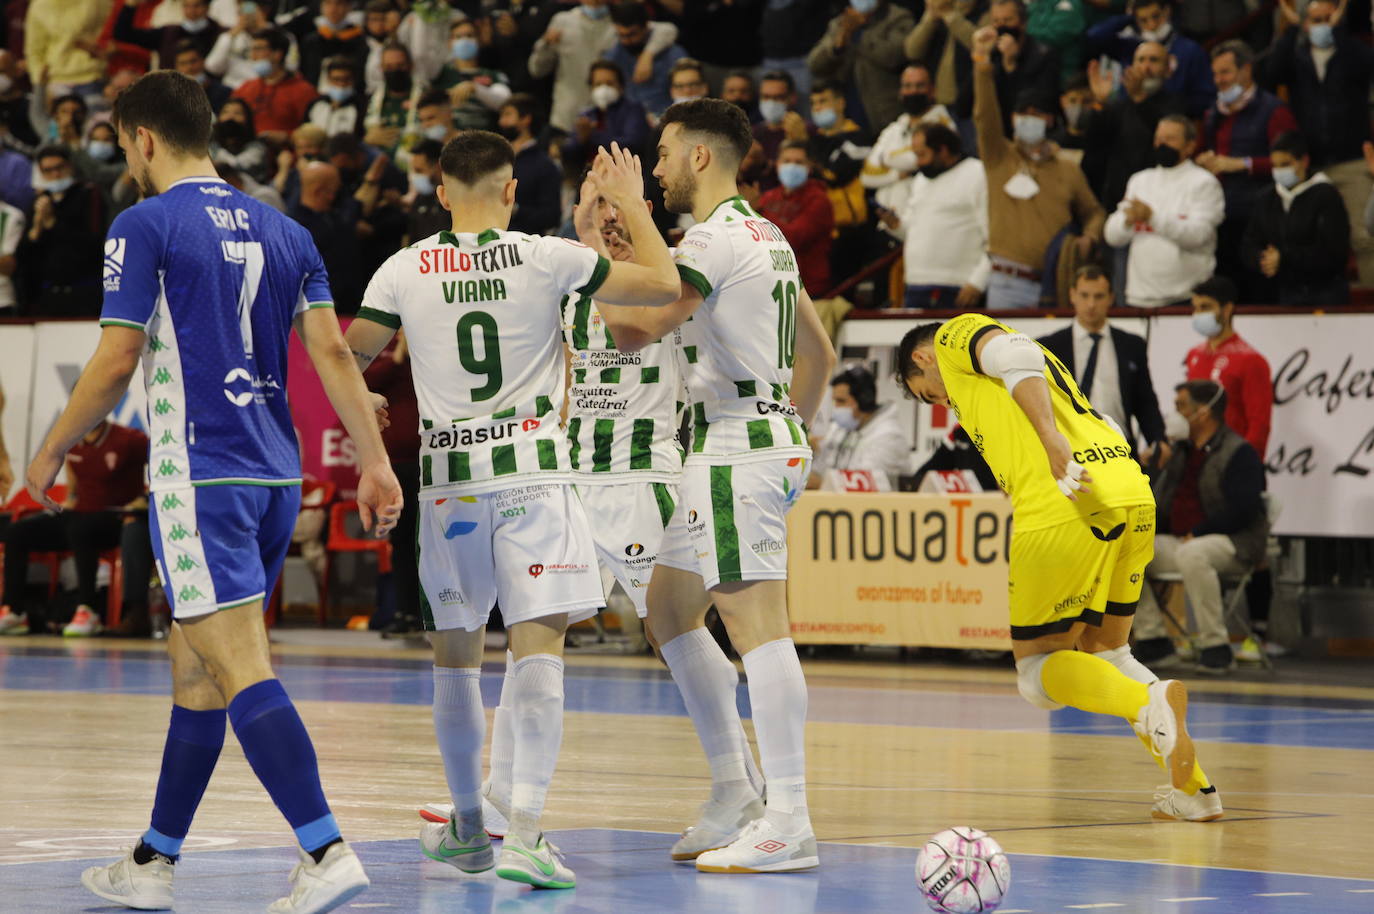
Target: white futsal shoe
{"x": 718, "y": 826}
{"x": 1163, "y": 722}
{"x": 1173, "y": 805}
{"x": 323, "y": 886}
{"x": 142, "y": 886}
{"x": 764, "y": 848}
{"x": 540, "y": 866}
{"x": 495, "y": 819}
{"x": 441, "y": 842}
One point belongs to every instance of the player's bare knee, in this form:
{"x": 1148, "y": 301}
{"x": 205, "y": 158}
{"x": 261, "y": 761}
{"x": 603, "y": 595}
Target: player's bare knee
{"x": 1028, "y": 682}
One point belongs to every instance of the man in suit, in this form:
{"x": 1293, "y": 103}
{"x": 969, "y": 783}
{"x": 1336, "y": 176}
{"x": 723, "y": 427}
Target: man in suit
{"x": 1108, "y": 363}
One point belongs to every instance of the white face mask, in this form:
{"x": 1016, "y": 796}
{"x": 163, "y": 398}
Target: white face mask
{"x": 846, "y": 418}
{"x": 604, "y": 96}
{"x": 1175, "y": 426}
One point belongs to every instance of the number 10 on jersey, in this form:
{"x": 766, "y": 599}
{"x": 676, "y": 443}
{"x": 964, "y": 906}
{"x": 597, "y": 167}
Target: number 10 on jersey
{"x": 785, "y": 294}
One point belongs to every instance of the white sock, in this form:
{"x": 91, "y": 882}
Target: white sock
{"x": 708, "y": 682}
{"x": 537, "y": 714}
{"x": 1124, "y": 660}
{"x": 503, "y": 738}
{"x": 461, "y": 727}
{"x": 777, "y": 691}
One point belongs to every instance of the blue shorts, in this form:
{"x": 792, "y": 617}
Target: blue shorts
{"x": 221, "y": 546}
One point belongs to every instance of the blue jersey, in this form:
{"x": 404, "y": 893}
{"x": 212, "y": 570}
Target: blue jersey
{"x": 215, "y": 279}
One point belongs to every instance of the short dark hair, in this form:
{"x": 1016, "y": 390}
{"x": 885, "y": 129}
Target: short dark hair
{"x": 276, "y": 40}
{"x": 1219, "y": 288}
{"x": 1238, "y": 49}
{"x": 1139, "y": 4}
{"x": 433, "y": 97}
{"x": 394, "y": 45}
{"x": 740, "y": 74}
{"x": 863, "y": 387}
{"x": 687, "y": 63}
{"x": 1291, "y": 142}
{"x": 629, "y": 12}
{"x": 53, "y": 152}
{"x": 78, "y": 100}
{"x": 474, "y": 154}
{"x": 1078, "y": 82}
{"x": 170, "y": 106}
{"x": 1207, "y": 393}
{"x": 722, "y": 122}
{"x": 430, "y": 149}
{"x": 1038, "y": 99}
{"x": 1020, "y": 8}
{"x": 609, "y": 65}
{"x": 343, "y": 144}
{"x": 781, "y": 76}
{"x": 526, "y": 105}
{"x": 339, "y": 62}
{"x": 378, "y": 6}
{"x": 186, "y": 45}
{"x": 825, "y": 85}
{"x": 914, "y": 339}
{"x": 796, "y": 144}
{"x": 1189, "y": 128}
{"x": 938, "y": 136}
{"x": 1090, "y": 272}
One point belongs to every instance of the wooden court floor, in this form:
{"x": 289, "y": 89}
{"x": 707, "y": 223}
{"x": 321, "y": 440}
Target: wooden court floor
{"x": 895, "y": 753}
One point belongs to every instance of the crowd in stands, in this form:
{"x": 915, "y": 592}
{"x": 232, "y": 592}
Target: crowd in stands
{"x": 997, "y": 145}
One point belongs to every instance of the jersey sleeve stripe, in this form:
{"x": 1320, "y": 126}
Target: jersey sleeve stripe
{"x": 973, "y": 345}
{"x": 117, "y": 322}
{"x": 318, "y": 304}
{"x": 380, "y": 317}
{"x": 599, "y": 274}
{"x": 695, "y": 280}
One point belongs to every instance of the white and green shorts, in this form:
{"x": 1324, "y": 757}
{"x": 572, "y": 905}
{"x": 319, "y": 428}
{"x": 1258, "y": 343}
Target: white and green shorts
{"x": 731, "y": 521}
{"x": 628, "y": 522}
{"x": 530, "y": 548}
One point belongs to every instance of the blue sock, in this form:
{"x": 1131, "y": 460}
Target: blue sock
{"x": 281, "y": 754}
{"x": 194, "y": 739}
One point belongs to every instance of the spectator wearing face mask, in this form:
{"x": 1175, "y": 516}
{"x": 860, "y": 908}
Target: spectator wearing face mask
{"x": 838, "y": 149}
{"x": 1298, "y": 238}
{"x": 944, "y": 223}
{"x": 1236, "y": 135}
{"x": 342, "y": 108}
{"x": 1169, "y": 218}
{"x": 1019, "y": 62}
{"x": 1152, "y": 20}
{"x": 863, "y": 49}
{"x": 235, "y": 141}
{"x": 864, "y": 434}
{"x": 1034, "y": 197}
{"x": 739, "y": 90}
{"x": 574, "y": 40}
{"x": 62, "y": 251}
{"x": 190, "y": 61}
{"x": 891, "y": 163}
{"x": 1121, "y": 124}
{"x": 612, "y": 117}
{"x": 426, "y": 215}
{"x": 539, "y": 187}
{"x": 231, "y": 58}
{"x": 1224, "y": 357}
{"x": 101, "y": 161}
{"x": 1327, "y": 72}
{"x": 196, "y": 26}
{"x": 477, "y": 92}
{"x": 800, "y": 207}
{"x": 630, "y": 19}
{"x": 393, "y": 112}
{"x": 778, "y": 110}
{"x": 279, "y": 98}
{"x": 1075, "y": 107}
{"x": 435, "y": 119}
{"x": 336, "y": 34}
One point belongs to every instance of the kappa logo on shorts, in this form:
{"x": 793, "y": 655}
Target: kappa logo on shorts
{"x": 459, "y": 528}
{"x": 536, "y": 570}
{"x": 634, "y": 549}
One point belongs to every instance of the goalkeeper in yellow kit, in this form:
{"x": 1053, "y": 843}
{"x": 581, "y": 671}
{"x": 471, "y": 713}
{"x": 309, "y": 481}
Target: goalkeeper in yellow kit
{"x": 1084, "y": 528}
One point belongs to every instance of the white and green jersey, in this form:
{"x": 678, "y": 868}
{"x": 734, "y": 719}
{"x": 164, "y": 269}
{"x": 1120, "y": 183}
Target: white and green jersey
{"x": 738, "y": 348}
{"x": 483, "y": 325}
{"x": 623, "y": 407}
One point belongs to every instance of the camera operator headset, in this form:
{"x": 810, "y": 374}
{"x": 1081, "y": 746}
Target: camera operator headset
{"x": 864, "y": 434}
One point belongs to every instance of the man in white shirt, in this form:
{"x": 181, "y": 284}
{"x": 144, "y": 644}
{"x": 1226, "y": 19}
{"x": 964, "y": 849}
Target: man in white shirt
{"x": 864, "y": 434}
{"x": 891, "y": 164}
{"x": 1169, "y": 217}
{"x": 944, "y": 223}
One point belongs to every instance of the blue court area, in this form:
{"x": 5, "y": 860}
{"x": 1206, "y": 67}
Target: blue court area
{"x": 1269, "y": 719}
{"x": 629, "y": 871}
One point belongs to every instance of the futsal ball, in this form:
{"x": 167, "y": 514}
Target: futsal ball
{"x": 963, "y": 871}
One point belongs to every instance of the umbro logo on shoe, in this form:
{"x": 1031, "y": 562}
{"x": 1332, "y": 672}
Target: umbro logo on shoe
{"x": 770, "y": 846}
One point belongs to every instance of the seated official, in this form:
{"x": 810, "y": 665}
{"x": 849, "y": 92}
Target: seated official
{"x": 863, "y": 435}
{"x": 105, "y": 490}
{"x": 1210, "y": 521}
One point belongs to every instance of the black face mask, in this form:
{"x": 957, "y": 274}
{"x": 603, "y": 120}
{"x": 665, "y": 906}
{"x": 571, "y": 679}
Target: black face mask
{"x": 1011, "y": 30}
{"x": 397, "y": 81}
{"x": 933, "y": 170}
{"x": 1167, "y": 156}
{"x": 916, "y": 104}
{"x": 510, "y": 133}
{"x": 232, "y": 135}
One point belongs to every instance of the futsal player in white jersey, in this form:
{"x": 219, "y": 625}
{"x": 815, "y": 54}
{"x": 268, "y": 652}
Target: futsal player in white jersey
{"x": 499, "y": 518}
{"x": 757, "y": 362}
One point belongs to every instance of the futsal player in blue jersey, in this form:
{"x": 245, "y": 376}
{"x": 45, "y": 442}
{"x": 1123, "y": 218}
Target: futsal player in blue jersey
{"x": 205, "y": 284}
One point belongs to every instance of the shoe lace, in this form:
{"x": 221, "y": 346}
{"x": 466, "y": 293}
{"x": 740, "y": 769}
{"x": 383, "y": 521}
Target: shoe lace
{"x": 751, "y": 831}
{"x": 1164, "y": 795}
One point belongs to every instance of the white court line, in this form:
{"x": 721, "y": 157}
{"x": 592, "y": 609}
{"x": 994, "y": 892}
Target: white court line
{"x": 1199, "y": 898}
{"x": 1194, "y": 866}
{"x": 1100, "y": 904}
{"x": 1361, "y": 891}
{"x": 1281, "y": 894}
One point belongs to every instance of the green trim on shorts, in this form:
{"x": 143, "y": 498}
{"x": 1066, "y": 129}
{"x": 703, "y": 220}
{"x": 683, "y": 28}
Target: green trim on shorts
{"x": 666, "y": 507}
{"x": 253, "y": 599}
{"x": 723, "y": 524}
{"x": 270, "y": 483}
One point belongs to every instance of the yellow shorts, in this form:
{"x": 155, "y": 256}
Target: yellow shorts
{"x": 1079, "y": 571}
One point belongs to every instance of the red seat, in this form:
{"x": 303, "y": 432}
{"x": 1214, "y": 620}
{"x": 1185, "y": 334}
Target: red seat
{"x": 340, "y": 540}
{"x": 22, "y": 505}
{"x": 315, "y": 493}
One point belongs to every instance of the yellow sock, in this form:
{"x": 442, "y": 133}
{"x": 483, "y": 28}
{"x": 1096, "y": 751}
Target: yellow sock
{"x": 1196, "y": 781}
{"x": 1090, "y": 683}
{"x": 1145, "y": 741}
